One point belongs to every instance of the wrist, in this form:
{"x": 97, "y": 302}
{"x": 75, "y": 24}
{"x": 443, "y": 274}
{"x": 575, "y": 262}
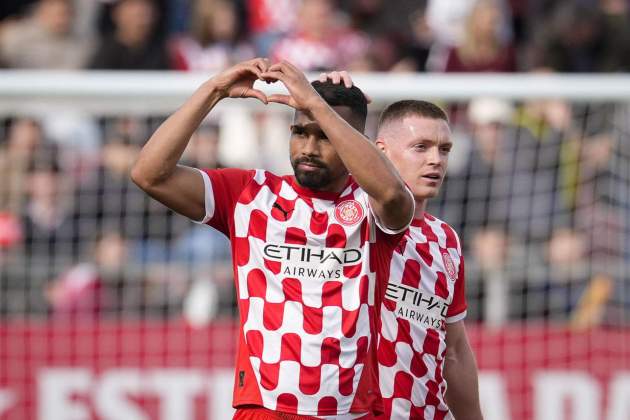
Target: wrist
{"x": 317, "y": 105}
{"x": 211, "y": 93}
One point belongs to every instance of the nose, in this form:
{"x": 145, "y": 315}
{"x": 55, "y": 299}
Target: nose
{"x": 311, "y": 146}
{"x": 434, "y": 157}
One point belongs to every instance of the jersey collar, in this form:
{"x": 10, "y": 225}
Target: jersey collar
{"x": 322, "y": 195}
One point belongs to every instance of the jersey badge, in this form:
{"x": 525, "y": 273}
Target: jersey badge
{"x": 448, "y": 265}
{"x": 349, "y": 212}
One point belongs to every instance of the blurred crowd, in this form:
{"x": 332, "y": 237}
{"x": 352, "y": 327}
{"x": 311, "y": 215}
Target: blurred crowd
{"x": 538, "y": 190}
{"x": 534, "y": 191}
{"x": 78, "y": 238}
{"x": 356, "y": 35}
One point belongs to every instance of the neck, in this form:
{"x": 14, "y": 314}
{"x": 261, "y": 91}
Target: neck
{"x": 421, "y": 206}
{"x": 335, "y": 187}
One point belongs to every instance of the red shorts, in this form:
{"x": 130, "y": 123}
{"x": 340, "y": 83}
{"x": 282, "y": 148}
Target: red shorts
{"x": 260, "y": 413}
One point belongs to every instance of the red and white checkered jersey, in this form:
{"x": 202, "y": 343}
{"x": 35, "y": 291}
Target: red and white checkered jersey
{"x": 304, "y": 266}
{"x": 425, "y": 291}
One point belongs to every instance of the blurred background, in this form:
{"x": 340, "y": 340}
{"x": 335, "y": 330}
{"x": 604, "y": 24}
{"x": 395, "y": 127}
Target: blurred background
{"x": 112, "y": 307}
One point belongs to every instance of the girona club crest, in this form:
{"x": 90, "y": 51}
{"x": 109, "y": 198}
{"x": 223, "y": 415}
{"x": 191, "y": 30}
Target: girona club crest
{"x": 349, "y": 212}
{"x": 448, "y": 265}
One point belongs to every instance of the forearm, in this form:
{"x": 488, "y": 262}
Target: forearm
{"x": 369, "y": 167}
{"x": 462, "y": 391}
{"x": 158, "y": 158}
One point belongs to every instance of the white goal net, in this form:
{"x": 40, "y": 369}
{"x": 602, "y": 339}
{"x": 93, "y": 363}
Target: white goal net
{"x": 112, "y": 307}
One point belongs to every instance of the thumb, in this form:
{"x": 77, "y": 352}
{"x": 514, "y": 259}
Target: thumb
{"x": 281, "y": 99}
{"x": 255, "y": 93}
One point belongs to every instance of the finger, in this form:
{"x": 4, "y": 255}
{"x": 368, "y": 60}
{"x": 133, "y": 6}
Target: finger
{"x": 262, "y": 64}
{"x": 249, "y": 93}
{"x": 256, "y": 60}
{"x": 252, "y": 68}
{"x": 323, "y": 77}
{"x": 266, "y": 63}
{"x": 255, "y": 93}
{"x": 273, "y": 75}
{"x": 335, "y": 77}
{"x": 347, "y": 80}
{"x": 368, "y": 98}
{"x": 281, "y": 99}
{"x": 258, "y": 63}
{"x": 276, "y": 67}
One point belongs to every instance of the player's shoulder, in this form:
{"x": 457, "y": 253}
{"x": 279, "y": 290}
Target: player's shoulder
{"x": 435, "y": 221}
{"x": 261, "y": 176}
{"x": 437, "y": 224}
{"x": 231, "y": 172}
{"x": 275, "y": 183}
{"x": 243, "y": 180}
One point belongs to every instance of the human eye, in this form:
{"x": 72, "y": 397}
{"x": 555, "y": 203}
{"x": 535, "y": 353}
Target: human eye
{"x": 297, "y": 131}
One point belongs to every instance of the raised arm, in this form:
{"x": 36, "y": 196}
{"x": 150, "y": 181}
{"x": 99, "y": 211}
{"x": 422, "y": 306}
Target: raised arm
{"x": 460, "y": 372}
{"x": 156, "y": 171}
{"x": 389, "y": 198}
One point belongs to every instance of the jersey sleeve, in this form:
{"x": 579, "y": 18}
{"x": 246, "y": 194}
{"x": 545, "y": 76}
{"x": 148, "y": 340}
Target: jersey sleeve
{"x": 222, "y": 190}
{"x": 457, "y": 309}
{"x": 396, "y": 233}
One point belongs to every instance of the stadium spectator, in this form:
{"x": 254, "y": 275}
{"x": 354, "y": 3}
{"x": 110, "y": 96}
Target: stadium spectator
{"x": 203, "y": 149}
{"x": 542, "y": 32}
{"x": 50, "y": 242}
{"x": 133, "y": 45}
{"x": 615, "y": 56}
{"x": 447, "y": 20}
{"x": 98, "y": 286}
{"x": 108, "y": 200}
{"x": 45, "y": 39}
{"x": 322, "y": 40}
{"x": 380, "y": 17}
{"x": 509, "y": 199}
{"x": 49, "y": 232}
{"x": 416, "y": 53}
{"x": 390, "y": 28}
{"x": 104, "y": 195}
{"x": 206, "y": 251}
{"x": 10, "y": 8}
{"x": 262, "y": 213}
{"x": 582, "y": 37}
{"x": 24, "y": 138}
{"x": 600, "y": 219}
{"x": 482, "y": 47}
{"x": 269, "y": 21}
{"x": 215, "y": 42}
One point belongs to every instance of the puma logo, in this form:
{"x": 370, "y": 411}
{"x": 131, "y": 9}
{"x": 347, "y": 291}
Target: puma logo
{"x": 286, "y": 213}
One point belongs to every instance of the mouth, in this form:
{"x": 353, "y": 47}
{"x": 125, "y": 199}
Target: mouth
{"x": 309, "y": 166}
{"x": 434, "y": 177}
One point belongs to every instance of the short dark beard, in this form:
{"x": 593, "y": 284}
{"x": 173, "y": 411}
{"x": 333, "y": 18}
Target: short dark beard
{"x": 315, "y": 180}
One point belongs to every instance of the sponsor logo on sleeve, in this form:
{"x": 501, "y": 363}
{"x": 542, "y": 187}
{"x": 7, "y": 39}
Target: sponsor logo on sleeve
{"x": 449, "y": 266}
